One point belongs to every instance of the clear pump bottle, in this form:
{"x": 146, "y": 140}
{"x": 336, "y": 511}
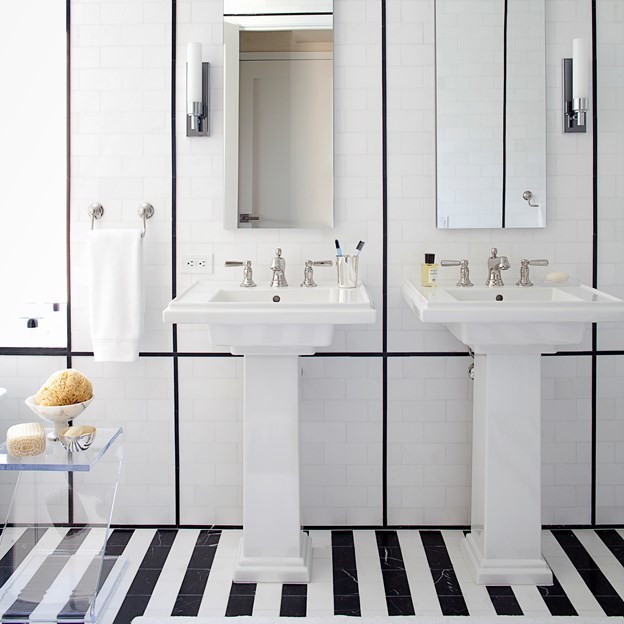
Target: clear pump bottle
{"x": 429, "y": 271}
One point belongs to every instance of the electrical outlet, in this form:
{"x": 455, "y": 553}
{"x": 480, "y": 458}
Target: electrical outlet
{"x": 196, "y": 264}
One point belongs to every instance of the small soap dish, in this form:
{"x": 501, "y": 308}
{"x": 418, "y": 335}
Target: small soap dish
{"x": 557, "y": 277}
{"x": 77, "y": 438}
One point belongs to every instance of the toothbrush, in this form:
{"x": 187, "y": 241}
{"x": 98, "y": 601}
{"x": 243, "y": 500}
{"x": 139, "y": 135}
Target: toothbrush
{"x": 338, "y": 250}
{"x": 359, "y": 248}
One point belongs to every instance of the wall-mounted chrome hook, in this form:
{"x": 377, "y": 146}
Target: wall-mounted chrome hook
{"x": 145, "y": 211}
{"x": 528, "y": 196}
{"x": 96, "y": 211}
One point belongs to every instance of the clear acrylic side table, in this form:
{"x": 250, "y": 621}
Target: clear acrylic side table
{"x": 54, "y": 560}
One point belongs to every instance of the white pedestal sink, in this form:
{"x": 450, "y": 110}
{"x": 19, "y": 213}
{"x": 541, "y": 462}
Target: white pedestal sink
{"x": 508, "y": 337}
{"x": 271, "y": 328}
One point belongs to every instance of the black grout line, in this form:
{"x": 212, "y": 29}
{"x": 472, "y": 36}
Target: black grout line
{"x": 174, "y": 285}
{"x": 594, "y": 339}
{"x": 504, "y": 120}
{"x": 384, "y": 276}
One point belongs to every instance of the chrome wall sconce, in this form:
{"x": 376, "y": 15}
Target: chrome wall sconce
{"x": 196, "y": 92}
{"x": 576, "y": 88}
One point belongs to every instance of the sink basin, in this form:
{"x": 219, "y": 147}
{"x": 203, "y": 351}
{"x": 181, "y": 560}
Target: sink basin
{"x": 301, "y": 318}
{"x": 541, "y": 315}
{"x": 271, "y": 328}
{"x": 508, "y": 328}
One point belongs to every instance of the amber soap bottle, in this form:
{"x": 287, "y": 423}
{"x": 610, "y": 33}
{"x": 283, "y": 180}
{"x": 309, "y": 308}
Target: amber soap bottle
{"x": 429, "y": 271}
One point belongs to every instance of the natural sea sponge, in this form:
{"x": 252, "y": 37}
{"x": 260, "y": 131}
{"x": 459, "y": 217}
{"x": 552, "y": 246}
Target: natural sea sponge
{"x": 65, "y": 387}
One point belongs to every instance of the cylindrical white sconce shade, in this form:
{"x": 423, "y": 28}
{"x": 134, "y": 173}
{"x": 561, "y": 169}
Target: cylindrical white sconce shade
{"x": 580, "y": 69}
{"x": 193, "y": 75}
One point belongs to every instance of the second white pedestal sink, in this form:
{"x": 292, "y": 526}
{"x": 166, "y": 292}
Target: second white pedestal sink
{"x": 508, "y": 328}
{"x": 271, "y": 328}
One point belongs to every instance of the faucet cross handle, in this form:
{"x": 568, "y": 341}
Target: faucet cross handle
{"x": 464, "y": 271}
{"x": 524, "y": 270}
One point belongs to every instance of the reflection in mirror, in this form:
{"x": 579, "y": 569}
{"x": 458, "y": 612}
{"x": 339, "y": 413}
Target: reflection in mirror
{"x": 278, "y": 114}
{"x": 490, "y": 113}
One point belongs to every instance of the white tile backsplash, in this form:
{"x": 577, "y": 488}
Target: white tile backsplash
{"x": 121, "y": 156}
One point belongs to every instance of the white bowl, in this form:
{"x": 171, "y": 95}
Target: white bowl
{"x": 57, "y": 415}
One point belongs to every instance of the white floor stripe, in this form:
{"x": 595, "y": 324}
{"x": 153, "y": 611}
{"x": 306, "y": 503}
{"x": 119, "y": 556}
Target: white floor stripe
{"x": 572, "y": 583}
{"x": 267, "y": 600}
{"x": 476, "y": 596}
{"x": 321, "y": 590}
{"x": 423, "y": 591}
{"x": 60, "y": 590}
{"x": 370, "y": 580}
{"x": 134, "y": 553}
{"x": 530, "y": 601}
{"x": 168, "y": 584}
{"x": 214, "y": 602}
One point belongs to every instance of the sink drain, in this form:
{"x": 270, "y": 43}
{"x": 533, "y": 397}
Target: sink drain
{"x": 277, "y": 299}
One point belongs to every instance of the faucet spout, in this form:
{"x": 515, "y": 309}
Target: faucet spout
{"x": 278, "y": 266}
{"x": 496, "y": 264}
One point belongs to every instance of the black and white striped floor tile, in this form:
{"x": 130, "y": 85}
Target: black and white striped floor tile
{"x": 355, "y": 573}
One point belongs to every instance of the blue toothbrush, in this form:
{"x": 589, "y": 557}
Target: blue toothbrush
{"x": 338, "y": 250}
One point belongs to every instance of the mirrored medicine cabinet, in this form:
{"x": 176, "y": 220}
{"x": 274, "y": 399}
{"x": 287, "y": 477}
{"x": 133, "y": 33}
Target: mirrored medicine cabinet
{"x": 278, "y": 114}
{"x": 490, "y": 113}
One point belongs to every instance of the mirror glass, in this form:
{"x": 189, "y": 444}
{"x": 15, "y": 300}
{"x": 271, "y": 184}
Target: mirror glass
{"x": 278, "y": 113}
{"x": 490, "y": 113}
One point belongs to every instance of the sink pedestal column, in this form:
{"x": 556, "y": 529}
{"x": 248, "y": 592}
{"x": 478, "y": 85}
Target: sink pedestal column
{"x": 504, "y": 545}
{"x": 273, "y": 547}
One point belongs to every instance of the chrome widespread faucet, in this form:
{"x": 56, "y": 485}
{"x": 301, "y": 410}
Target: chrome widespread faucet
{"x": 278, "y": 266}
{"x": 524, "y": 280}
{"x": 495, "y": 265}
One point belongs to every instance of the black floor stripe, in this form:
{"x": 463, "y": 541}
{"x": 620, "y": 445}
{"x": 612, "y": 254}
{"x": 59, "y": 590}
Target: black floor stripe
{"x": 396, "y": 585}
{"x": 614, "y": 542}
{"x": 140, "y": 591}
{"x": 504, "y": 600}
{"x": 18, "y": 552}
{"x": 80, "y": 600}
{"x": 195, "y": 578}
{"x": 33, "y": 592}
{"x": 596, "y": 581}
{"x": 241, "y": 599}
{"x": 294, "y": 601}
{"x": 445, "y": 580}
{"x": 345, "y": 576}
{"x": 556, "y": 599}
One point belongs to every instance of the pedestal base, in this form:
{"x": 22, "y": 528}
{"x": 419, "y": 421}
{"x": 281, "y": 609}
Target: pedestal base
{"x": 275, "y": 569}
{"x": 504, "y": 571}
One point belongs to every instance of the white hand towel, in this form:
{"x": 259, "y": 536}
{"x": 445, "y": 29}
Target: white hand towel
{"x": 116, "y": 304}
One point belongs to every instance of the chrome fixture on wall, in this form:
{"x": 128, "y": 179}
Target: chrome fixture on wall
{"x": 576, "y": 88}
{"x": 196, "y": 92}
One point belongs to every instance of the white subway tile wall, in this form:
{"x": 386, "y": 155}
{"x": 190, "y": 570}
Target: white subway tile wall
{"x": 122, "y": 155}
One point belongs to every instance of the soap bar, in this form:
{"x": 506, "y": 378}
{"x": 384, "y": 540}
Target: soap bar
{"x": 26, "y": 440}
{"x": 557, "y": 276}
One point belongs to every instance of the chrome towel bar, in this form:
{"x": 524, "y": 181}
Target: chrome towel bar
{"x": 145, "y": 211}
